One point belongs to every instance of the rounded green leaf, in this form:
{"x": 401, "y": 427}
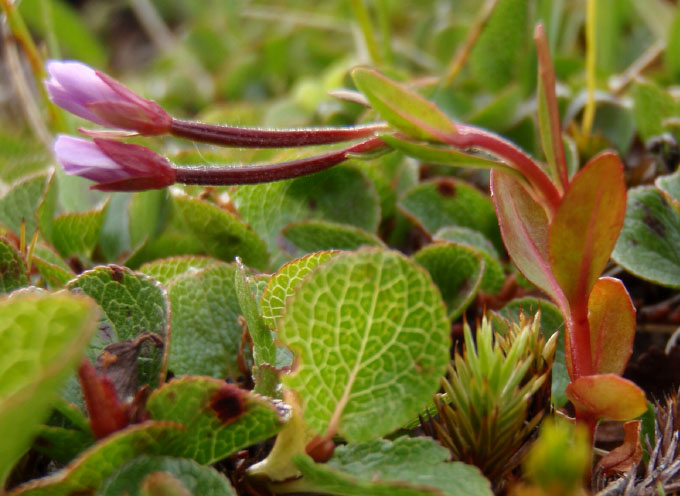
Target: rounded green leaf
{"x": 494, "y": 276}
{"x": 167, "y": 269}
{"x": 21, "y": 202}
{"x": 197, "y": 479}
{"x": 133, "y": 304}
{"x": 78, "y": 233}
{"x": 649, "y": 241}
{"x": 283, "y": 283}
{"x": 447, "y": 202}
{"x": 371, "y": 339}
{"x": 341, "y": 194}
{"x": 206, "y": 334}
{"x": 85, "y": 474}
{"x": 218, "y": 418}
{"x": 404, "y": 467}
{"x": 42, "y": 337}
{"x": 317, "y": 235}
{"x": 457, "y": 270}
{"x": 12, "y": 268}
{"x": 221, "y": 233}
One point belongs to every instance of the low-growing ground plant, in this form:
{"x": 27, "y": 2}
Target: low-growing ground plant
{"x": 409, "y": 267}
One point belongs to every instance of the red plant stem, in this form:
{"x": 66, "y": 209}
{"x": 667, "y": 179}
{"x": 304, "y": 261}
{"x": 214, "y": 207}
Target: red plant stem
{"x": 251, "y": 174}
{"x": 269, "y": 138}
{"x": 579, "y": 336}
{"x": 473, "y": 137}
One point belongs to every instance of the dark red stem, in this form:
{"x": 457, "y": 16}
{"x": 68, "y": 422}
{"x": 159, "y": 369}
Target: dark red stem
{"x": 269, "y": 138}
{"x": 473, "y": 137}
{"x": 251, "y": 174}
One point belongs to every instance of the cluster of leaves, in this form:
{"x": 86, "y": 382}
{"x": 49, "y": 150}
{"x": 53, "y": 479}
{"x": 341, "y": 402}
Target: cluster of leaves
{"x": 336, "y": 322}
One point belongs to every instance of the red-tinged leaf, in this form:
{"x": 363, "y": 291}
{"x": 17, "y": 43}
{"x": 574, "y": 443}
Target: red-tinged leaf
{"x": 402, "y": 108}
{"x": 524, "y": 227}
{"x": 548, "y": 112}
{"x": 587, "y": 223}
{"x": 606, "y": 396}
{"x": 611, "y": 316}
{"x": 107, "y": 414}
{"x": 621, "y": 459}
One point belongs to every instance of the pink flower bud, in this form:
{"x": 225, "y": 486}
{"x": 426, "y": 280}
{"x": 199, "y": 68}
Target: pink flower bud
{"x": 114, "y": 165}
{"x": 99, "y": 98}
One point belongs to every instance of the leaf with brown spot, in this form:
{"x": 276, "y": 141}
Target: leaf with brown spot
{"x": 220, "y": 418}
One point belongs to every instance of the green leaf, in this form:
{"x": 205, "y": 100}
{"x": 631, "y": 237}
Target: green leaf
{"x": 114, "y": 239}
{"x": 21, "y": 153}
{"x": 133, "y": 304}
{"x": 651, "y": 107}
{"x": 444, "y": 155}
{"x": 318, "y": 235}
{"x": 167, "y": 269}
{"x": 197, "y": 479}
{"x": 457, "y": 270}
{"x": 672, "y": 52}
{"x": 283, "y": 284}
{"x": 52, "y": 268}
{"x": 222, "y": 235}
{"x": 449, "y": 202}
{"x": 69, "y": 28}
{"x": 494, "y": 276}
{"x": 206, "y": 334}
{"x": 404, "y": 467}
{"x": 264, "y": 351}
{"x": 497, "y": 55}
{"x": 12, "y": 268}
{"x": 147, "y": 211}
{"x": 584, "y": 230}
{"x": 47, "y": 208}
{"x": 60, "y": 444}
{"x": 551, "y": 322}
{"x": 402, "y": 108}
{"x": 607, "y": 396}
{"x": 32, "y": 370}
{"x": 394, "y": 343}
{"x": 85, "y": 474}
{"x": 649, "y": 240}
{"x": 219, "y": 418}
{"x": 669, "y": 185}
{"x": 611, "y": 316}
{"x": 524, "y": 225}
{"x": 78, "y": 233}
{"x": 21, "y": 202}
{"x": 342, "y": 194}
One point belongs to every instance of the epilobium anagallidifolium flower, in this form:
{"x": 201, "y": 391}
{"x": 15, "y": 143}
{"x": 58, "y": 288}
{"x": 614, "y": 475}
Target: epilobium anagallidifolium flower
{"x": 99, "y": 98}
{"x": 115, "y": 166}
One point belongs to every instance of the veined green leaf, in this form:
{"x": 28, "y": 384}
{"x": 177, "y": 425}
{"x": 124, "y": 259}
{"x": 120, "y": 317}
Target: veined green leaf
{"x": 393, "y": 336}
{"x": 32, "y": 370}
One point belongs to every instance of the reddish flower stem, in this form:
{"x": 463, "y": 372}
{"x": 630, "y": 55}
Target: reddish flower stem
{"x": 269, "y": 138}
{"x": 579, "y": 335}
{"x": 251, "y": 174}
